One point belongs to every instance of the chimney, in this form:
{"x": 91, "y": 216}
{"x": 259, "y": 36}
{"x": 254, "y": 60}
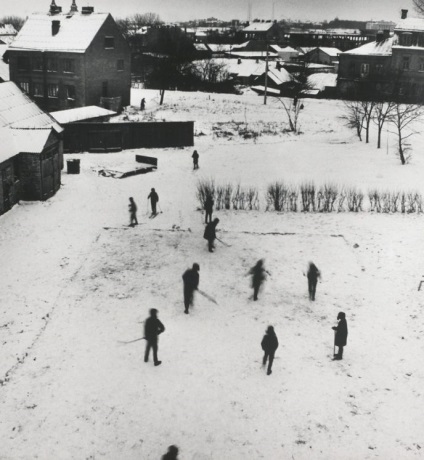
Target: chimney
{"x": 54, "y": 9}
{"x": 386, "y": 33}
{"x": 404, "y": 14}
{"x": 55, "y": 27}
{"x": 74, "y": 7}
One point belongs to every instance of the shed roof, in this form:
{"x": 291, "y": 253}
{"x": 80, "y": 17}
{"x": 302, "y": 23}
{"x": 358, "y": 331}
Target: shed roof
{"x": 382, "y": 48}
{"x": 279, "y": 76}
{"x": 258, "y": 27}
{"x": 320, "y": 80}
{"x": 410, "y": 25}
{"x": 76, "y": 32}
{"x": 333, "y": 52}
{"x": 252, "y": 54}
{"x": 81, "y": 113}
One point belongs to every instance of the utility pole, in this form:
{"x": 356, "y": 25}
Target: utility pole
{"x": 266, "y": 73}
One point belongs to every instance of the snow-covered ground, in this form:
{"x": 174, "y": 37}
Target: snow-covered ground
{"x": 73, "y": 290}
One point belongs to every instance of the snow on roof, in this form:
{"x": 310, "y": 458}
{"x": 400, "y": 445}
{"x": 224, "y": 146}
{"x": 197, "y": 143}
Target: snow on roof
{"x": 7, "y": 29}
{"x": 261, "y": 89}
{"x": 246, "y": 67}
{"x": 4, "y": 67}
{"x": 306, "y": 49}
{"x": 383, "y": 48}
{"x": 258, "y": 27}
{"x": 8, "y": 148}
{"x": 276, "y": 48}
{"x": 81, "y": 113}
{"x": 289, "y": 49}
{"x": 18, "y": 111}
{"x": 216, "y": 48}
{"x": 76, "y": 32}
{"x": 334, "y": 52}
{"x": 410, "y": 24}
{"x": 321, "y": 80}
{"x": 279, "y": 76}
{"x": 30, "y": 140}
{"x": 252, "y": 54}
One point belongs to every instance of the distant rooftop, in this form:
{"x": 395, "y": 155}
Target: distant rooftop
{"x": 410, "y": 25}
{"x": 382, "y": 48}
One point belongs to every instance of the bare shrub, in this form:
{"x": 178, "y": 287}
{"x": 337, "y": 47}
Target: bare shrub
{"x": 205, "y": 188}
{"x": 326, "y": 197}
{"x": 219, "y": 202}
{"x": 293, "y": 195}
{"x": 354, "y": 200}
{"x": 341, "y": 200}
{"x": 252, "y": 199}
{"x": 374, "y": 198}
{"x": 228, "y": 191}
{"x": 277, "y": 196}
{"x": 307, "y": 193}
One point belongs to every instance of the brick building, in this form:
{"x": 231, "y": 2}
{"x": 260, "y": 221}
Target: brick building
{"x": 74, "y": 59}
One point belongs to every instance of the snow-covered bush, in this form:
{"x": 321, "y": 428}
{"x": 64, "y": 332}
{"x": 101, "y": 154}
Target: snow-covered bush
{"x": 307, "y": 193}
{"x": 354, "y": 200}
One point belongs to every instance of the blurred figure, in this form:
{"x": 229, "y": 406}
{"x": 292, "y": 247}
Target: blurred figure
{"x": 340, "y": 338}
{"x": 269, "y": 345}
{"x": 152, "y": 329}
{"x": 191, "y": 283}
{"x": 195, "y": 157}
{"x": 258, "y": 277}
{"x": 172, "y": 453}
{"x": 143, "y": 104}
{"x": 313, "y": 275}
{"x": 209, "y": 208}
{"x": 210, "y": 233}
{"x": 154, "y": 198}
{"x": 133, "y": 212}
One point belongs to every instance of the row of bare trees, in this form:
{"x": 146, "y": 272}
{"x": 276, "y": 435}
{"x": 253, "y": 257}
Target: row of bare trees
{"x": 401, "y": 117}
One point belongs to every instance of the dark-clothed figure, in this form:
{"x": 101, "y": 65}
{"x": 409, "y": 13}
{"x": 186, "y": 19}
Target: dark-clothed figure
{"x": 152, "y": 328}
{"x": 209, "y": 208}
{"x": 340, "y": 339}
{"x": 133, "y": 212}
{"x": 313, "y": 275}
{"x": 154, "y": 198}
{"x": 269, "y": 345}
{"x": 195, "y": 157}
{"x": 191, "y": 283}
{"x": 172, "y": 453}
{"x": 258, "y": 273}
{"x": 143, "y": 104}
{"x": 210, "y": 233}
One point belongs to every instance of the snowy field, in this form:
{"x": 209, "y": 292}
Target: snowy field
{"x": 73, "y": 290}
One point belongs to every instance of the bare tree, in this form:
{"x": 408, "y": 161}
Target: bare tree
{"x": 211, "y": 70}
{"x": 16, "y": 21}
{"x": 381, "y": 114}
{"x": 354, "y": 116}
{"x": 418, "y": 6}
{"x": 402, "y": 118}
{"x": 367, "y": 108}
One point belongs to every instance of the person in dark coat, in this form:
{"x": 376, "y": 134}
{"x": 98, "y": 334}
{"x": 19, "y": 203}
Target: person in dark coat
{"x": 269, "y": 345}
{"x": 152, "y": 328}
{"x": 209, "y": 208}
{"x": 133, "y": 212}
{"x": 313, "y": 275}
{"x": 154, "y": 198}
{"x": 191, "y": 283}
{"x": 143, "y": 104}
{"x": 258, "y": 273}
{"x": 210, "y": 233}
{"x": 340, "y": 338}
{"x": 195, "y": 157}
{"x": 172, "y": 453}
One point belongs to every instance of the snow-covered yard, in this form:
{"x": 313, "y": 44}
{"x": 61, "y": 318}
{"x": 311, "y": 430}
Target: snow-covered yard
{"x": 73, "y": 290}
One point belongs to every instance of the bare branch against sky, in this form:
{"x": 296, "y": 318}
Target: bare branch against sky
{"x": 178, "y": 10}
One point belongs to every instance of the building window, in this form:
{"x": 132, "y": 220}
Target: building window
{"x": 120, "y": 64}
{"x": 23, "y": 63}
{"x": 405, "y": 62}
{"x": 37, "y": 64}
{"x": 110, "y": 42}
{"x": 68, "y": 66}
{"x": 24, "y": 85}
{"x": 53, "y": 90}
{"x": 70, "y": 92}
{"x": 38, "y": 90}
{"x": 51, "y": 65}
{"x": 379, "y": 68}
{"x": 365, "y": 70}
{"x": 406, "y": 39}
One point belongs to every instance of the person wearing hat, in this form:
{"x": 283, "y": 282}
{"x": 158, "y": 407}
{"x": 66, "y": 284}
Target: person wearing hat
{"x": 154, "y": 198}
{"x": 172, "y": 453}
{"x": 152, "y": 329}
{"x": 312, "y": 275}
{"x": 191, "y": 280}
{"x": 258, "y": 273}
{"x": 195, "y": 157}
{"x": 340, "y": 338}
{"x": 133, "y": 212}
{"x": 269, "y": 345}
{"x": 210, "y": 233}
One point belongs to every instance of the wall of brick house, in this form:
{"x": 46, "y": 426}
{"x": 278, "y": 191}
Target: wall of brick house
{"x": 102, "y": 65}
{"x": 44, "y": 77}
{"x": 30, "y": 173}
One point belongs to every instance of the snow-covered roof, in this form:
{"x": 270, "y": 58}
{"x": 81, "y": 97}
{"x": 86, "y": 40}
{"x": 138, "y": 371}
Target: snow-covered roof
{"x": 279, "y": 76}
{"x": 81, "y": 113}
{"x": 258, "y": 27}
{"x": 200, "y": 47}
{"x": 321, "y": 80}
{"x": 76, "y": 32}
{"x": 216, "y": 48}
{"x": 18, "y": 111}
{"x": 246, "y": 68}
{"x": 4, "y": 67}
{"x": 261, "y": 89}
{"x": 306, "y": 49}
{"x": 253, "y": 54}
{"x": 276, "y": 48}
{"x": 289, "y": 49}
{"x": 333, "y": 52}
{"x": 410, "y": 25}
{"x": 30, "y": 140}
{"x": 8, "y": 148}
{"x": 382, "y": 48}
{"x": 7, "y": 29}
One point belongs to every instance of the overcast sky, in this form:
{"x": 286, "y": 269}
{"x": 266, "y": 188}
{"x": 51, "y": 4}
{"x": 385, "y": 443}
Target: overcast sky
{"x": 178, "y": 10}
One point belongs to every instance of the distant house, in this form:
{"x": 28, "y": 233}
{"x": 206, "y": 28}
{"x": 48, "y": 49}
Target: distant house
{"x": 7, "y": 34}
{"x": 322, "y": 55}
{"x": 322, "y": 84}
{"x": 73, "y": 59}
{"x": 244, "y": 71}
{"x": 286, "y": 54}
{"x": 278, "y": 81}
{"x": 261, "y": 30}
{"x": 30, "y": 150}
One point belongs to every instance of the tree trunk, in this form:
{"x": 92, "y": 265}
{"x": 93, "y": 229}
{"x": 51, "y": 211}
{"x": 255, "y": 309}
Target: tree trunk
{"x": 162, "y": 95}
{"x": 380, "y": 128}
{"x": 401, "y": 155}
